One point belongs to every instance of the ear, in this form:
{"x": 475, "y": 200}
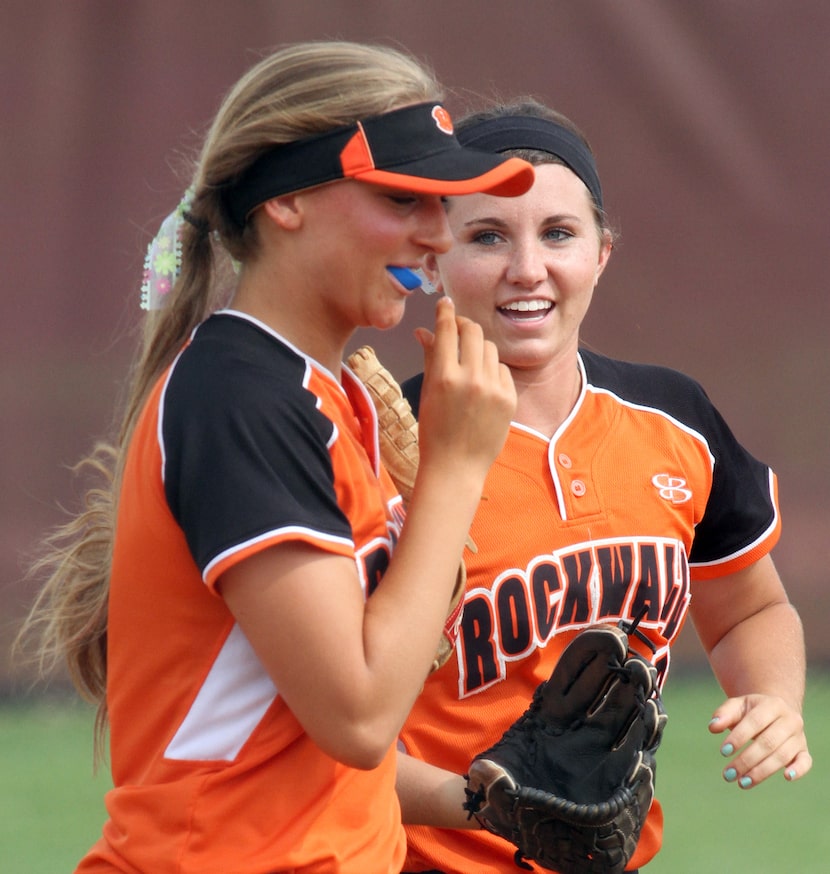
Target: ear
{"x": 285, "y": 211}
{"x": 606, "y": 247}
{"x": 430, "y": 264}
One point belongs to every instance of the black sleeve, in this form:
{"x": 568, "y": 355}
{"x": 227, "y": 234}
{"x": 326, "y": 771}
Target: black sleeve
{"x": 245, "y": 449}
{"x": 741, "y": 505}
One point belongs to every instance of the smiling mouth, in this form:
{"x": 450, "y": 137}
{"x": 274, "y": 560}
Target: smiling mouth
{"x": 527, "y": 309}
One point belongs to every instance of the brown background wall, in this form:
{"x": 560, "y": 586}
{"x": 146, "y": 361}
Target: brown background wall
{"x": 710, "y": 120}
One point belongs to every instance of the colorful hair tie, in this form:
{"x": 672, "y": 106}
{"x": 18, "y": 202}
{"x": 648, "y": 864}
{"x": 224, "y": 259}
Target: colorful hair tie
{"x": 163, "y": 262}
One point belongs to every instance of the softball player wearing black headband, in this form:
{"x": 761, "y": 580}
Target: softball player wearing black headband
{"x": 620, "y": 493}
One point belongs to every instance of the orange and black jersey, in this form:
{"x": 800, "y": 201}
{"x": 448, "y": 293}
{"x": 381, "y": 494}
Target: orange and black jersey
{"x": 740, "y": 506}
{"x": 642, "y": 489}
{"x": 246, "y": 449}
{"x": 244, "y": 443}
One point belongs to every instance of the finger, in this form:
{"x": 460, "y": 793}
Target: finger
{"x": 778, "y": 746}
{"x": 717, "y": 725}
{"x": 759, "y": 713}
{"x": 425, "y": 337}
{"x": 492, "y": 365}
{"x": 444, "y": 347}
{"x": 727, "y": 715}
{"x": 508, "y": 386}
{"x": 796, "y": 769}
{"x": 470, "y": 345}
{"x": 745, "y": 718}
{"x": 760, "y": 759}
{"x": 790, "y": 758}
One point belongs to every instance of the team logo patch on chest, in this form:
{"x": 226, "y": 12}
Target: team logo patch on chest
{"x": 672, "y": 488}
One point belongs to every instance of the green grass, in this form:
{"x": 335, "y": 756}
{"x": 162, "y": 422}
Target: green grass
{"x": 51, "y": 806}
{"x": 715, "y": 826}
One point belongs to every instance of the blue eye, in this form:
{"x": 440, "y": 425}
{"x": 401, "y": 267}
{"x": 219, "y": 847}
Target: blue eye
{"x": 486, "y": 238}
{"x": 558, "y": 235}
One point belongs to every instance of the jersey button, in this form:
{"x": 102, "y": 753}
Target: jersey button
{"x": 578, "y": 488}
{"x": 565, "y": 460}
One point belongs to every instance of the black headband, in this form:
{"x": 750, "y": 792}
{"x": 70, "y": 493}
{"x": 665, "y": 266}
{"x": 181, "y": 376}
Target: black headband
{"x": 504, "y": 133}
{"x": 413, "y": 149}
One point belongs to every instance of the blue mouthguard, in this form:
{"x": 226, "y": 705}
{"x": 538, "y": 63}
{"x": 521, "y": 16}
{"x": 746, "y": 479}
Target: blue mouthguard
{"x": 407, "y": 278}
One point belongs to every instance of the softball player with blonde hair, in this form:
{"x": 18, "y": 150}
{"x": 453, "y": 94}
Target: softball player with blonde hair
{"x": 241, "y": 597}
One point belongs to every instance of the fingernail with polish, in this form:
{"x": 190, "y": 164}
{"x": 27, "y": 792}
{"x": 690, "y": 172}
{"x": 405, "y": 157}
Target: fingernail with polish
{"x": 745, "y": 782}
{"x": 729, "y": 775}
{"x": 727, "y": 749}
{"x": 791, "y": 774}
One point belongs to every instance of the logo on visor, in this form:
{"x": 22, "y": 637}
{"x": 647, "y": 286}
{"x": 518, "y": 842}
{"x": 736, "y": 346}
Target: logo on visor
{"x": 442, "y": 120}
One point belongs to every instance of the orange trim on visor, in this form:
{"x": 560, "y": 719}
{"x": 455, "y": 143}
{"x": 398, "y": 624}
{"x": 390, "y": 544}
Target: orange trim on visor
{"x": 356, "y": 157}
{"x": 510, "y": 179}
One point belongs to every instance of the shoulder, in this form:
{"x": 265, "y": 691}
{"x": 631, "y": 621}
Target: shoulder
{"x": 637, "y": 382}
{"x": 227, "y": 347}
{"x": 231, "y": 355}
{"x": 650, "y": 386}
{"x": 235, "y": 371}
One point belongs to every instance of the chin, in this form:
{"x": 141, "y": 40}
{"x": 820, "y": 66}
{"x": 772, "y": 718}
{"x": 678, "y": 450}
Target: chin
{"x": 524, "y": 356}
{"x": 388, "y": 319}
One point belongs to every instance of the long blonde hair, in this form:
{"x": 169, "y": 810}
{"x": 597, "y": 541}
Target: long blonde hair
{"x": 297, "y": 91}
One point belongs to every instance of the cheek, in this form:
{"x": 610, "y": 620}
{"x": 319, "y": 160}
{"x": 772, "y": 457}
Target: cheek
{"x": 469, "y": 279}
{"x": 578, "y": 278}
{"x": 379, "y": 235}
{"x": 576, "y": 298}
{"x": 371, "y": 231}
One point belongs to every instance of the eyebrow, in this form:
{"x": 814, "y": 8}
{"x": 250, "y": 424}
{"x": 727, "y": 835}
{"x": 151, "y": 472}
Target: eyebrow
{"x": 501, "y": 223}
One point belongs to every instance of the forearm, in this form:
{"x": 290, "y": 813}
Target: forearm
{"x": 404, "y": 617}
{"x": 431, "y": 796}
{"x": 763, "y": 654}
{"x": 468, "y": 400}
{"x": 760, "y": 664}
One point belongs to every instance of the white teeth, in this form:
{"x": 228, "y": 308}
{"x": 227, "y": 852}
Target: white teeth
{"x": 523, "y": 306}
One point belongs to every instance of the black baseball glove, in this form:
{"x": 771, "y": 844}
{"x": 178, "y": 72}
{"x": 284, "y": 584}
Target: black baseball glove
{"x": 571, "y": 781}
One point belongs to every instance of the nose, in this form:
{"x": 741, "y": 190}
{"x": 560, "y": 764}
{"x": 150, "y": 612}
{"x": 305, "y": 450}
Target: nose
{"x": 433, "y": 232}
{"x": 527, "y": 265}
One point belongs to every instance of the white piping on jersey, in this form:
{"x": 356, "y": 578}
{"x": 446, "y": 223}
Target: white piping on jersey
{"x": 551, "y": 442}
{"x": 696, "y": 435}
{"x": 311, "y": 364}
{"x": 586, "y": 387}
{"x": 349, "y": 374}
{"x": 760, "y": 539}
{"x": 289, "y": 531}
{"x": 160, "y": 416}
{"x": 230, "y": 704}
{"x": 557, "y": 483}
{"x": 268, "y": 330}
